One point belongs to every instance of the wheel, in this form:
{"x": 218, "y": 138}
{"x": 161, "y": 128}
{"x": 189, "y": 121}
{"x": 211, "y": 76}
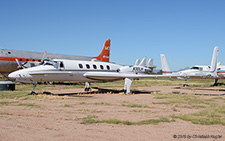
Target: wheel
{"x": 87, "y": 89}
{"x": 33, "y": 93}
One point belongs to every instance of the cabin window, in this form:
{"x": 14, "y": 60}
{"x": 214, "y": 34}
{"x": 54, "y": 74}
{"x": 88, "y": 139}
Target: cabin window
{"x": 101, "y": 67}
{"x": 27, "y": 59}
{"x": 33, "y": 60}
{"x": 87, "y": 66}
{"x": 9, "y": 52}
{"x": 80, "y": 66}
{"x": 39, "y": 60}
{"x": 94, "y": 66}
{"x": 21, "y": 59}
{"x": 108, "y": 68}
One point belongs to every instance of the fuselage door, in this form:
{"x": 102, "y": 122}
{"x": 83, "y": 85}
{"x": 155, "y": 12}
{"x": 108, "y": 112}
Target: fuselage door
{"x": 61, "y": 66}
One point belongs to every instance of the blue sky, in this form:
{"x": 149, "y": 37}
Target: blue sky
{"x": 185, "y": 30}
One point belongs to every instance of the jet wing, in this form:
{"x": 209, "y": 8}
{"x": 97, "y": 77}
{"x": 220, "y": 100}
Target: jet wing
{"x": 116, "y": 75}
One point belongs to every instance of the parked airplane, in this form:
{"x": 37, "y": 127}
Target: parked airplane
{"x": 197, "y": 69}
{"x": 94, "y": 71}
{"x": 10, "y": 59}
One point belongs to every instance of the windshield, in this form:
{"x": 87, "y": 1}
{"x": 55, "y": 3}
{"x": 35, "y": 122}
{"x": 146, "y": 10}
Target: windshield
{"x": 51, "y": 63}
{"x": 197, "y": 68}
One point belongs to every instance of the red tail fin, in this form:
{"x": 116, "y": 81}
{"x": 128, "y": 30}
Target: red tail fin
{"x": 104, "y": 55}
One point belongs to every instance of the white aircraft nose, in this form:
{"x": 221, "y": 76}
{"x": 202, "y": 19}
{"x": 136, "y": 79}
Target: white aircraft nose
{"x": 14, "y": 75}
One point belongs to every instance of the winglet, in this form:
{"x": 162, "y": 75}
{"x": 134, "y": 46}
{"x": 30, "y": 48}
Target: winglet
{"x": 165, "y": 66}
{"x": 104, "y": 55}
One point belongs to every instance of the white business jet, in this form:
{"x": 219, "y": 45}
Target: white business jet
{"x": 12, "y": 60}
{"x": 82, "y": 71}
{"x": 95, "y": 71}
{"x": 195, "y": 70}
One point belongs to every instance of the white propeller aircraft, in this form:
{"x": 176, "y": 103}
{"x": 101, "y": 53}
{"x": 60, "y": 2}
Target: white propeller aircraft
{"x": 92, "y": 71}
{"x": 196, "y": 70}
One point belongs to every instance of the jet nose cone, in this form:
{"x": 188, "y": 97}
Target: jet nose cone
{"x": 13, "y": 75}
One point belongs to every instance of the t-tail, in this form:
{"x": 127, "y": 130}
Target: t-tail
{"x": 104, "y": 55}
{"x": 213, "y": 68}
{"x": 165, "y": 67}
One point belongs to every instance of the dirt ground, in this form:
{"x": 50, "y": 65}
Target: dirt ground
{"x": 54, "y": 117}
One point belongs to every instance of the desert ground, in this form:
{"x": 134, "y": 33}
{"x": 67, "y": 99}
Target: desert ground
{"x": 165, "y": 112}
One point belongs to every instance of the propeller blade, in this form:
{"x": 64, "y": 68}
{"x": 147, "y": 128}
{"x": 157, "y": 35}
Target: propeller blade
{"x": 20, "y": 66}
{"x": 43, "y": 58}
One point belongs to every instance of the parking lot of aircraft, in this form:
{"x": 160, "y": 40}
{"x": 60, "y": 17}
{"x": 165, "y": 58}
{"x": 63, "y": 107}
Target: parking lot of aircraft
{"x": 42, "y": 67}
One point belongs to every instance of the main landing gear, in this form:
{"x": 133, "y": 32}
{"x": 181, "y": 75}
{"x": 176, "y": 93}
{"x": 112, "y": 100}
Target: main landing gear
{"x": 215, "y": 82}
{"x": 127, "y": 85}
{"x": 87, "y": 86}
{"x": 185, "y": 83}
{"x": 34, "y": 86}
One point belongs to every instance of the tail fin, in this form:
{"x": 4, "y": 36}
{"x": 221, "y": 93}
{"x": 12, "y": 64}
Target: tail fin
{"x": 143, "y": 62}
{"x": 104, "y": 55}
{"x": 151, "y": 64}
{"x": 138, "y": 61}
{"x": 165, "y": 66}
{"x": 213, "y": 68}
